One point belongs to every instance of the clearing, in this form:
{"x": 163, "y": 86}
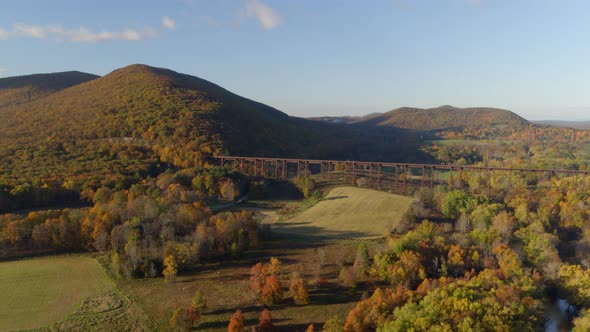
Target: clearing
{"x": 349, "y": 212}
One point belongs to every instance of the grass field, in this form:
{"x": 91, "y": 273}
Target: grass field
{"x": 64, "y": 293}
{"x": 38, "y": 292}
{"x": 348, "y": 212}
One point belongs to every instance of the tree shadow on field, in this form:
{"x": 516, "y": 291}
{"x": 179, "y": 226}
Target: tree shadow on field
{"x": 256, "y": 310}
{"x": 304, "y": 233}
{"x": 298, "y": 327}
{"x": 247, "y": 261}
{"x": 333, "y": 198}
{"x": 286, "y": 239}
{"x": 333, "y": 293}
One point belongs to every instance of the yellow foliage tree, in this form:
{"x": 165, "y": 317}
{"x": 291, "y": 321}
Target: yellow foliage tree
{"x": 170, "y": 268}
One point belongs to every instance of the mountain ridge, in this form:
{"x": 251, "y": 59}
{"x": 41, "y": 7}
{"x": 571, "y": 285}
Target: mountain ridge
{"x": 444, "y": 118}
{"x": 16, "y": 90}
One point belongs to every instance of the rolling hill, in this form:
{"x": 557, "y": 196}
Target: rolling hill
{"x": 139, "y": 120}
{"x": 22, "y": 89}
{"x": 444, "y": 118}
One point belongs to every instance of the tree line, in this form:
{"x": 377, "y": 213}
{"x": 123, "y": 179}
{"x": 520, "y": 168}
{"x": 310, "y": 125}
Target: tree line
{"x": 160, "y": 225}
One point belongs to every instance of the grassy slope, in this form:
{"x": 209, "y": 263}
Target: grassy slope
{"x": 350, "y": 212}
{"x": 37, "y": 292}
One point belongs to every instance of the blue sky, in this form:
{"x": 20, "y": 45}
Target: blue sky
{"x": 325, "y": 57}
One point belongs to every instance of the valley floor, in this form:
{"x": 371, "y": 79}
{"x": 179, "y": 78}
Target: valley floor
{"x": 74, "y": 293}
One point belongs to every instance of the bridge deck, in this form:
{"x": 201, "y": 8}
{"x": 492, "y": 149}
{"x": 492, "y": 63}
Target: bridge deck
{"x": 449, "y": 167}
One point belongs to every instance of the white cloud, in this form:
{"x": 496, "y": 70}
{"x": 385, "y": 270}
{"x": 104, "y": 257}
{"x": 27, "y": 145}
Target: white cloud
{"x": 3, "y": 70}
{"x": 79, "y": 35}
{"x": 168, "y": 23}
{"x": 267, "y": 17}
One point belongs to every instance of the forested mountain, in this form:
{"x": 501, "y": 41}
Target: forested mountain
{"x": 22, "y": 89}
{"x": 139, "y": 120}
{"x": 445, "y": 118}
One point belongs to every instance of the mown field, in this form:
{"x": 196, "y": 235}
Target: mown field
{"x": 63, "y": 293}
{"x": 349, "y": 212}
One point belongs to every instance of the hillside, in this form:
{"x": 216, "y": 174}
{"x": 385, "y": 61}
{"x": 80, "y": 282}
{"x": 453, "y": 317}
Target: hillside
{"x": 158, "y": 105}
{"x": 139, "y": 120}
{"x": 445, "y": 118}
{"x": 23, "y": 89}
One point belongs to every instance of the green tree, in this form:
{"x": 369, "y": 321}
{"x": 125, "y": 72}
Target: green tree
{"x": 334, "y": 324}
{"x": 361, "y": 262}
{"x": 198, "y": 304}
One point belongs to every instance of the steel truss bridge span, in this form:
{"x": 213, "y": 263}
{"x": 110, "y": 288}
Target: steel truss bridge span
{"x": 380, "y": 175}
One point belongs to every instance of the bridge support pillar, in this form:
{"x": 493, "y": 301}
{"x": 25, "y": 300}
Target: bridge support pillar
{"x": 432, "y": 176}
{"x": 423, "y": 175}
{"x": 378, "y": 176}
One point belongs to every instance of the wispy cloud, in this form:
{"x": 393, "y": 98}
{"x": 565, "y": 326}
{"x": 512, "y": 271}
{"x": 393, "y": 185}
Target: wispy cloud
{"x": 168, "y": 23}
{"x": 78, "y": 35}
{"x": 267, "y": 17}
{"x": 3, "y": 70}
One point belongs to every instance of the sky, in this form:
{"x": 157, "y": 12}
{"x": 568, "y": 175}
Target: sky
{"x": 325, "y": 57}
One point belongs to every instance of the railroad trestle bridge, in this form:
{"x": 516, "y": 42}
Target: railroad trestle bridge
{"x": 379, "y": 175}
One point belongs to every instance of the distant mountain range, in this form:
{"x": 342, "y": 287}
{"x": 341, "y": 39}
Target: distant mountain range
{"x": 435, "y": 119}
{"x": 565, "y": 124}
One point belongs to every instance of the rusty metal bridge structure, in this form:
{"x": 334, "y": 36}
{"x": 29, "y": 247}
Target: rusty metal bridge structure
{"x": 379, "y": 175}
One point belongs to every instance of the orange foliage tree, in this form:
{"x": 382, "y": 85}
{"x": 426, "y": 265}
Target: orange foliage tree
{"x": 298, "y": 289}
{"x": 265, "y": 282}
{"x": 236, "y": 322}
{"x": 272, "y": 292}
{"x": 265, "y": 321}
